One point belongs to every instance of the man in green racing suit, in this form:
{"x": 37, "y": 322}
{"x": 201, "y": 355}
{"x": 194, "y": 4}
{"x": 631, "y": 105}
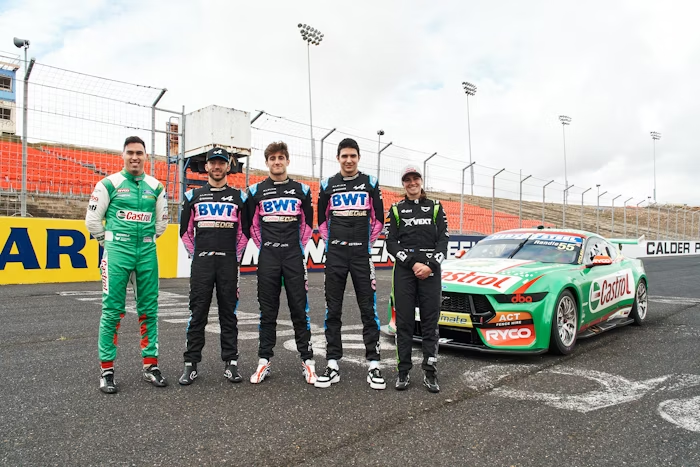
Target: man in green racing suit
{"x": 134, "y": 209}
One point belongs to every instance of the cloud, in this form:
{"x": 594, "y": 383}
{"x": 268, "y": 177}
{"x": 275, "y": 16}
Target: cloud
{"x": 619, "y": 69}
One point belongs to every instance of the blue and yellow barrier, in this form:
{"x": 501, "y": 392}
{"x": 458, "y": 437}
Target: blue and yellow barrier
{"x": 35, "y": 250}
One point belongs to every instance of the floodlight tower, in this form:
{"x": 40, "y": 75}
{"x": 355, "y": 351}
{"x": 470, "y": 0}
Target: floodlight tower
{"x": 312, "y": 37}
{"x": 655, "y": 135}
{"x": 469, "y": 90}
{"x": 565, "y": 121}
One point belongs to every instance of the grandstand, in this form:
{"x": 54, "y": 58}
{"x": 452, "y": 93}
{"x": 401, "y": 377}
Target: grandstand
{"x": 60, "y": 178}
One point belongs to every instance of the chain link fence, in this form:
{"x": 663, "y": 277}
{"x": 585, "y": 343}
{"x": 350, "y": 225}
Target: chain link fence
{"x": 77, "y": 122}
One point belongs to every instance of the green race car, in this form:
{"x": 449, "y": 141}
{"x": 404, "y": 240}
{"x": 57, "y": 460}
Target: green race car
{"x": 534, "y": 290}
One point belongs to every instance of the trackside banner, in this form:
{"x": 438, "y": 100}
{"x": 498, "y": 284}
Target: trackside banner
{"x": 35, "y": 250}
{"x": 316, "y": 254}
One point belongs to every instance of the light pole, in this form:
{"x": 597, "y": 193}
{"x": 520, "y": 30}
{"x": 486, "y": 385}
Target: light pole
{"x": 649, "y": 203}
{"x": 584, "y": 192}
{"x": 320, "y": 159}
{"x": 310, "y": 36}
{"x": 637, "y": 234}
{"x": 380, "y": 133}
{"x": 597, "y": 210}
{"x": 469, "y": 90}
{"x": 461, "y": 200}
{"x": 624, "y": 212}
{"x": 24, "y": 44}
{"x": 425, "y": 167}
{"x": 520, "y": 209}
{"x": 563, "y": 216}
{"x": 612, "y": 211}
{"x": 493, "y": 201}
{"x": 379, "y": 153}
{"x": 564, "y": 121}
{"x": 545, "y": 186}
{"x": 655, "y": 136}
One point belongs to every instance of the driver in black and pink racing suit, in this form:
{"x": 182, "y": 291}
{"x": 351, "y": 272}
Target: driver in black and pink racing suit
{"x": 350, "y": 218}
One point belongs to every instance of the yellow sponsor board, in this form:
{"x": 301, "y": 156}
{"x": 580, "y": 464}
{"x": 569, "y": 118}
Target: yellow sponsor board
{"x": 457, "y": 320}
{"x": 35, "y": 250}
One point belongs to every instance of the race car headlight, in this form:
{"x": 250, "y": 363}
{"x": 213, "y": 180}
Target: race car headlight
{"x": 520, "y": 298}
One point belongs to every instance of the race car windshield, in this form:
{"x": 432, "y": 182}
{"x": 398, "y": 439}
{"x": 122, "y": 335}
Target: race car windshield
{"x": 544, "y": 248}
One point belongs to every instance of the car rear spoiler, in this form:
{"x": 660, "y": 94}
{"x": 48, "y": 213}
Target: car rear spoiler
{"x": 626, "y": 241}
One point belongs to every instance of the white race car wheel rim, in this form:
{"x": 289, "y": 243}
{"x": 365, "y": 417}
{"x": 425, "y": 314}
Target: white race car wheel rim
{"x": 642, "y": 300}
{"x": 566, "y": 320}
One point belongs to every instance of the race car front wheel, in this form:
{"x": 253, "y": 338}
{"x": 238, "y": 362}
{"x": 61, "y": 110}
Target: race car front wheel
{"x": 641, "y": 304}
{"x": 564, "y": 325}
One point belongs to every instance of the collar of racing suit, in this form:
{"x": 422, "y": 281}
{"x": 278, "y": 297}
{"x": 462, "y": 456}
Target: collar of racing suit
{"x": 286, "y": 180}
{"x": 220, "y": 188}
{"x": 347, "y": 179}
{"x": 134, "y": 178}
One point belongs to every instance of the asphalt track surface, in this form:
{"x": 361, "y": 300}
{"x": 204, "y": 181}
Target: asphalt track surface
{"x": 492, "y": 411}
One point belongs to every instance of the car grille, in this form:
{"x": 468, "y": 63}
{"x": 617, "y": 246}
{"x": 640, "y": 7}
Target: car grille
{"x": 476, "y": 305}
{"x": 455, "y": 302}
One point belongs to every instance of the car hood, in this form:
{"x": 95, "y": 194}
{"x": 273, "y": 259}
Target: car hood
{"x": 495, "y": 275}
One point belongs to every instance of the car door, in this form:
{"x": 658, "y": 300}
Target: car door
{"x": 607, "y": 288}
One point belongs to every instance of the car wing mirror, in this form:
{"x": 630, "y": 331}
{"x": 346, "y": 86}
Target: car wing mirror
{"x": 460, "y": 253}
{"x": 600, "y": 260}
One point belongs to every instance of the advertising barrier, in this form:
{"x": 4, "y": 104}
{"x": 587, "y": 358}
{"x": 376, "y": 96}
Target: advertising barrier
{"x": 35, "y": 250}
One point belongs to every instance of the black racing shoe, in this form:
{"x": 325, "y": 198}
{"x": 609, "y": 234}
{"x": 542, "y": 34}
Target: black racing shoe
{"x": 375, "y": 379}
{"x": 330, "y": 376}
{"x": 403, "y": 381}
{"x": 189, "y": 374}
{"x": 231, "y": 372}
{"x": 152, "y": 374}
{"x": 107, "y": 384}
{"x": 430, "y": 381}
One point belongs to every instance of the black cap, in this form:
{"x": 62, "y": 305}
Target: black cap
{"x": 218, "y": 152}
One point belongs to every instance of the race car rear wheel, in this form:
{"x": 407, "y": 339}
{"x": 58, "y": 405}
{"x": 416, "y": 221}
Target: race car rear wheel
{"x": 641, "y": 303}
{"x": 564, "y": 324}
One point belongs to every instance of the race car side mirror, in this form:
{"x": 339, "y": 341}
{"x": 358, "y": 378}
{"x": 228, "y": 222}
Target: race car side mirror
{"x": 460, "y": 253}
{"x": 600, "y": 260}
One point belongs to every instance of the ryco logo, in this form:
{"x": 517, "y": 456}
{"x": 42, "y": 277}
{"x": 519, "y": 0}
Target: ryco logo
{"x": 504, "y": 334}
{"x": 134, "y": 216}
{"x": 520, "y": 336}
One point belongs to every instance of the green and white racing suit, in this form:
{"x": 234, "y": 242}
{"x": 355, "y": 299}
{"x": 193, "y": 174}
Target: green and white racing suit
{"x": 134, "y": 211}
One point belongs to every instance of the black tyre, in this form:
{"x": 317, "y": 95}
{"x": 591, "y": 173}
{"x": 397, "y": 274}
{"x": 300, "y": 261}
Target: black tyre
{"x": 641, "y": 304}
{"x": 564, "y": 324}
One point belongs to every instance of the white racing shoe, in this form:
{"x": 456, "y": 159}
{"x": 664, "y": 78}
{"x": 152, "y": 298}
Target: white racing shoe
{"x": 262, "y": 372}
{"x": 309, "y": 371}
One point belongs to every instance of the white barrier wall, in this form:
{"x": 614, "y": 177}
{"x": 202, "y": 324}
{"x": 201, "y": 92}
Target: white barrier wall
{"x": 654, "y": 249}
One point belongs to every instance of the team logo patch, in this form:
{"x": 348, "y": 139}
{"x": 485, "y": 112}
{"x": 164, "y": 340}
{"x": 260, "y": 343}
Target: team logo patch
{"x": 123, "y": 190}
{"x": 134, "y": 216}
{"x": 105, "y": 273}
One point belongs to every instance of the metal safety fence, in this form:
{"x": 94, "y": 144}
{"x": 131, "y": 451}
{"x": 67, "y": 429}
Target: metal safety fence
{"x": 75, "y": 124}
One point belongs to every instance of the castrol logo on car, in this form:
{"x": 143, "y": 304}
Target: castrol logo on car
{"x": 497, "y": 282}
{"x": 134, "y": 216}
{"x": 609, "y": 290}
{"x": 521, "y": 335}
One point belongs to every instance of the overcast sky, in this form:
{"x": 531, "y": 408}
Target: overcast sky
{"x": 619, "y": 69}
